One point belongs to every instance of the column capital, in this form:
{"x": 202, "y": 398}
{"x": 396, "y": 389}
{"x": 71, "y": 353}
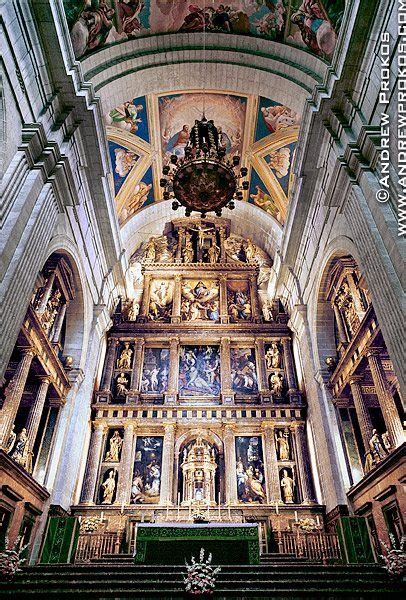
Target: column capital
{"x": 178, "y": 277}
{"x": 229, "y": 428}
{"x": 139, "y": 340}
{"x": 373, "y": 351}
{"x": 100, "y": 426}
{"x": 169, "y": 427}
{"x": 130, "y": 425}
{"x": 174, "y": 339}
{"x": 45, "y": 379}
{"x": 356, "y": 379}
{"x": 27, "y": 350}
{"x": 267, "y": 425}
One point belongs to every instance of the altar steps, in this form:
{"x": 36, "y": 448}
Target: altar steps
{"x": 280, "y": 580}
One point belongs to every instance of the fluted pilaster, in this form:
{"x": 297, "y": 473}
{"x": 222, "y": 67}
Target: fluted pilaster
{"x": 230, "y": 465}
{"x": 303, "y": 465}
{"x": 363, "y": 416}
{"x": 272, "y": 474}
{"x": 93, "y": 460}
{"x": 35, "y": 414}
{"x": 167, "y": 464}
{"x": 125, "y": 469}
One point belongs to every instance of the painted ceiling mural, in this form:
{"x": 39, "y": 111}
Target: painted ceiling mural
{"x": 144, "y": 132}
{"x": 310, "y": 24}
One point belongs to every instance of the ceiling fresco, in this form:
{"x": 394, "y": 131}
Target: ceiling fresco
{"x": 309, "y": 24}
{"x": 144, "y": 132}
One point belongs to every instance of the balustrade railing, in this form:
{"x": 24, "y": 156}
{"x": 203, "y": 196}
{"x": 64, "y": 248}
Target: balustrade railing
{"x": 94, "y": 545}
{"x": 320, "y": 546}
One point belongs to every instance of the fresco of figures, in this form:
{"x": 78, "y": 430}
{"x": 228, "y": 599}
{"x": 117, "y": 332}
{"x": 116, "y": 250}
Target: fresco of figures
{"x": 177, "y": 113}
{"x": 312, "y": 24}
{"x": 200, "y": 301}
{"x": 250, "y": 470}
{"x": 146, "y": 483}
{"x": 243, "y": 370}
{"x": 155, "y": 371}
{"x": 239, "y": 301}
{"x": 199, "y": 371}
{"x": 160, "y": 302}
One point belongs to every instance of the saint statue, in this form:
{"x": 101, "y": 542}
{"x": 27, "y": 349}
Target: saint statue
{"x": 273, "y": 356}
{"x": 276, "y": 383}
{"x": 21, "y": 452}
{"x": 51, "y": 310}
{"x": 122, "y": 383}
{"x": 266, "y": 311}
{"x": 108, "y": 488}
{"x": 386, "y": 441}
{"x": 116, "y": 443}
{"x": 213, "y": 253}
{"x": 369, "y": 462}
{"x": 375, "y": 444}
{"x": 188, "y": 251}
{"x": 150, "y": 250}
{"x": 250, "y": 250}
{"x": 134, "y": 311}
{"x": 283, "y": 446}
{"x": 287, "y": 485}
{"x": 11, "y": 441}
{"x": 124, "y": 362}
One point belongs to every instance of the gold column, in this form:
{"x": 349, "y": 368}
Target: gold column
{"x": 34, "y": 417}
{"x": 125, "y": 468}
{"x": 143, "y": 314}
{"x": 93, "y": 461}
{"x": 262, "y": 379}
{"x": 230, "y": 464}
{"x": 171, "y": 394}
{"x": 137, "y": 368}
{"x": 222, "y": 233}
{"x": 303, "y": 464}
{"x": 178, "y": 256}
{"x": 56, "y": 333}
{"x": 256, "y": 313}
{"x": 223, "y": 299}
{"x": 109, "y": 364}
{"x": 227, "y": 393}
{"x": 168, "y": 452}
{"x": 272, "y": 474}
{"x": 387, "y": 403}
{"x": 177, "y": 295}
{"x": 13, "y": 395}
{"x": 363, "y": 416}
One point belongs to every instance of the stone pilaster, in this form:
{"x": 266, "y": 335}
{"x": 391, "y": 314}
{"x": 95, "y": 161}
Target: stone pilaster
{"x": 363, "y": 416}
{"x": 272, "y": 473}
{"x": 143, "y": 314}
{"x": 109, "y": 364}
{"x": 303, "y": 464}
{"x": 178, "y": 255}
{"x": 93, "y": 461}
{"x": 289, "y": 365}
{"x": 230, "y": 465}
{"x": 223, "y": 299}
{"x": 167, "y": 464}
{"x": 137, "y": 367}
{"x": 177, "y": 298}
{"x": 227, "y": 393}
{"x": 35, "y": 413}
{"x": 171, "y": 394}
{"x": 56, "y": 333}
{"x": 256, "y": 311}
{"x": 386, "y": 401}
{"x": 260, "y": 352}
{"x": 126, "y": 463}
{"x": 13, "y": 395}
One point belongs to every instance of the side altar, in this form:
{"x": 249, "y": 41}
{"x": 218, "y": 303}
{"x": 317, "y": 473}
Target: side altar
{"x": 171, "y": 544}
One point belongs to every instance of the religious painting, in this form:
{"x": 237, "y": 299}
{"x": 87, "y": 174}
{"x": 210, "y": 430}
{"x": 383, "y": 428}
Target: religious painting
{"x": 122, "y": 162}
{"x": 273, "y": 117}
{"x": 250, "y": 470}
{"x": 260, "y": 196}
{"x": 146, "y": 483}
{"x": 108, "y": 486}
{"x": 239, "y": 301}
{"x": 155, "y": 371}
{"x": 131, "y": 117}
{"x": 279, "y": 162}
{"x": 177, "y": 114}
{"x": 244, "y": 378}
{"x": 141, "y": 195}
{"x": 199, "y": 371}
{"x": 200, "y": 300}
{"x": 160, "y": 302}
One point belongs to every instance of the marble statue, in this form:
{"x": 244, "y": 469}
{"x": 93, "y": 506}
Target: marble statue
{"x": 122, "y": 383}
{"x": 11, "y": 440}
{"x": 376, "y": 446}
{"x": 287, "y": 485}
{"x": 108, "y": 488}
{"x": 266, "y": 311}
{"x": 116, "y": 443}
{"x": 276, "y": 383}
{"x": 273, "y": 356}
{"x": 283, "y": 446}
{"x": 124, "y": 362}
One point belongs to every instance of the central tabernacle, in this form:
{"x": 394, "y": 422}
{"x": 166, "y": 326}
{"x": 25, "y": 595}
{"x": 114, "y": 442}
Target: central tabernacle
{"x": 172, "y": 543}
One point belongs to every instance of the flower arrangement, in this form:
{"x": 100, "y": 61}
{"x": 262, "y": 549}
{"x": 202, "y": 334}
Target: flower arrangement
{"x": 90, "y": 524}
{"x": 201, "y": 576}
{"x": 11, "y": 560}
{"x": 394, "y": 558}
{"x": 307, "y": 524}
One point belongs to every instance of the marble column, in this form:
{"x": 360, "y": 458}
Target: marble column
{"x": 13, "y": 395}
{"x": 303, "y": 464}
{"x": 126, "y": 463}
{"x": 226, "y": 389}
{"x": 137, "y": 364}
{"x": 143, "y": 314}
{"x": 171, "y": 394}
{"x": 289, "y": 365}
{"x": 224, "y": 318}
{"x": 222, "y": 233}
{"x": 342, "y": 334}
{"x": 34, "y": 417}
{"x": 56, "y": 334}
{"x": 177, "y": 298}
{"x": 260, "y": 352}
{"x": 93, "y": 461}
{"x": 230, "y": 465}
{"x": 363, "y": 416}
{"x": 46, "y": 293}
{"x": 109, "y": 364}
{"x": 256, "y": 312}
{"x": 178, "y": 255}
{"x": 272, "y": 474}
{"x": 168, "y": 452}
{"x": 389, "y": 411}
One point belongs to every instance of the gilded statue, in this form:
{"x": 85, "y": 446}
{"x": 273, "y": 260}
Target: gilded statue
{"x": 250, "y": 251}
{"x": 11, "y": 440}
{"x": 282, "y": 443}
{"x": 124, "y": 362}
{"x": 213, "y": 253}
{"x": 116, "y": 443}
{"x": 21, "y": 452}
{"x": 376, "y": 446}
{"x": 201, "y": 230}
{"x": 288, "y": 486}
{"x": 51, "y": 310}
{"x": 134, "y": 311}
{"x": 150, "y": 250}
{"x": 108, "y": 488}
{"x": 386, "y": 441}
{"x": 188, "y": 251}
{"x": 273, "y": 356}
{"x": 122, "y": 385}
{"x": 276, "y": 383}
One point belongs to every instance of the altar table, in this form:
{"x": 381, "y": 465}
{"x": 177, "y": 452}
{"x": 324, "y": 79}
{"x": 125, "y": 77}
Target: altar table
{"x": 173, "y": 543}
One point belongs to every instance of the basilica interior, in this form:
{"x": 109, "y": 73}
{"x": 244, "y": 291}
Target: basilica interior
{"x": 166, "y": 364}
